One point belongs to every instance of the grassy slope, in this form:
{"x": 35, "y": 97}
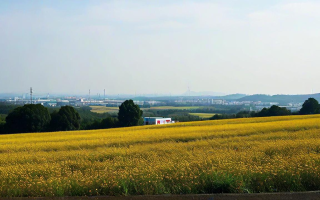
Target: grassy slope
{"x": 238, "y": 155}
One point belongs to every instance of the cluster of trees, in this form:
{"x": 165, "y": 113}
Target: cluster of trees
{"x": 67, "y": 118}
{"x": 265, "y": 112}
{"x": 310, "y": 106}
{"x": 273, "y": 111}
{"x": 37, "y": 118}
{"x": 90, "y": 119}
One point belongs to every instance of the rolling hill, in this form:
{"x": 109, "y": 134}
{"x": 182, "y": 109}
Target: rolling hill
{"x": 252, "y": 155}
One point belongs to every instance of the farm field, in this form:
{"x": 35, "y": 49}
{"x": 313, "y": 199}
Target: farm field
{"x": 274, "y": 154}
{"x": 203, "y": 115}
{"x": 104, "y": 109}
{"x": 173, "y": 108}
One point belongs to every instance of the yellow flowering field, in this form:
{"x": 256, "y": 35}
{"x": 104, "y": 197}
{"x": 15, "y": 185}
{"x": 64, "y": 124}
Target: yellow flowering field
{"x": 272, "y": 154}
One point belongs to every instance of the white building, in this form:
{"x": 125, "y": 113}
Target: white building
{"x": 156, "y": 120}
{"x": 217, "y": 101}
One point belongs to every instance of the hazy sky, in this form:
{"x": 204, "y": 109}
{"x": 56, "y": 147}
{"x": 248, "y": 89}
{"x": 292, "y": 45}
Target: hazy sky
{"x": 229, "y": 46}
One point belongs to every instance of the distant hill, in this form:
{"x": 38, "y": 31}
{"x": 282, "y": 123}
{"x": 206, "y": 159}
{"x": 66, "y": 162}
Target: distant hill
{"x": 232, "y": 96}
{"x": 282, "y": 99}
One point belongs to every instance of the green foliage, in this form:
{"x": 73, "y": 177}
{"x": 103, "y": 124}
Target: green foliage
{"x": 129, "y": 113}
{"x": 109, "y": 122}
{"x": 310, "y": 106}
{"x": 184, "y": 117}
{"x": 89, "y": 120}
{"x": 245, "y": 114}
{"x": 204, "y": 110}
{"x": 222, "y": 116}
{"x": 3, "y": 118}
{"x": 29, "y": 118}
{"x": 67, "y": 118}
{"x": 2, "y": 127}
{"x": 273, "y": 111}
{"x": 265, "y": 112}
{"x": 6, "y": 108}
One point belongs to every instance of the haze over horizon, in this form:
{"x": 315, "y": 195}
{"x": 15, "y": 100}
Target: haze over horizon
{"x": 148, "y": 47}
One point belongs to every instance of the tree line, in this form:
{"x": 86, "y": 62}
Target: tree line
{"x": 37, "y": 118}
{"x": 310, "y": 106}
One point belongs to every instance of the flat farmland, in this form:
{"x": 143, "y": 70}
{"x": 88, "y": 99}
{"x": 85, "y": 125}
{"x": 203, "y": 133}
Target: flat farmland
{"x": 174, "y": 107}
{"x": 274, "y": 154}
{"x": 104, "y": 109}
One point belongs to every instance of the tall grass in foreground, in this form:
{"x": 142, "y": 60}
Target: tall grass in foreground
{"x": 239, "y": 155}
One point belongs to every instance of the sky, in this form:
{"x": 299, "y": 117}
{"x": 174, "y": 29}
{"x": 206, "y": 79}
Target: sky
{"x": 160, "y": 46}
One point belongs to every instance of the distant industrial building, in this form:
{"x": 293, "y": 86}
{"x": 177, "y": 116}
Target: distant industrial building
{"x": 62, "y": 102}
{"x": 156, "y": 120}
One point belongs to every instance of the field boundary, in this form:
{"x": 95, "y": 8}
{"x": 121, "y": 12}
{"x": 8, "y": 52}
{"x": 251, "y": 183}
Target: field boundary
{"x": 312, "y": 195}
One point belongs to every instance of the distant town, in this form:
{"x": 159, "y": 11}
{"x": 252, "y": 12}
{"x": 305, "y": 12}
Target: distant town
{"x": 241, "y": 101}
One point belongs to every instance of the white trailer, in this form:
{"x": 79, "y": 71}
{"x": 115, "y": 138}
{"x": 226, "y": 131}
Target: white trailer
{"x": 156, "y": 120}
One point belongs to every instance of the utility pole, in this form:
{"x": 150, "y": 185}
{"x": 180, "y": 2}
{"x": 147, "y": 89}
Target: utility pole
{"x": 31, "y": 94}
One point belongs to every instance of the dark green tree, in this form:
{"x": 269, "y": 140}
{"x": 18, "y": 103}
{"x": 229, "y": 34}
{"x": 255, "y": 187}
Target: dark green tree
{"x": 67, "y": 118}
{"x": 263, "y": 113}
{"x": 2, "y": 127}
{"x": 278, "y": 111}
{"x": 28, "y": 118}
{"x": 129, "y": 114}
{"x": 222, "y": 116}
{"x": 310, "y": 106}
{"x": 245, "y": 114}
{"x": 109, "y": 122}
{"x": 273, "y": 111}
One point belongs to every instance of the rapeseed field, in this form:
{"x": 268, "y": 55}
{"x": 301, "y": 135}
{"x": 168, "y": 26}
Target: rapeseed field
{"x": 274, "y": 154}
